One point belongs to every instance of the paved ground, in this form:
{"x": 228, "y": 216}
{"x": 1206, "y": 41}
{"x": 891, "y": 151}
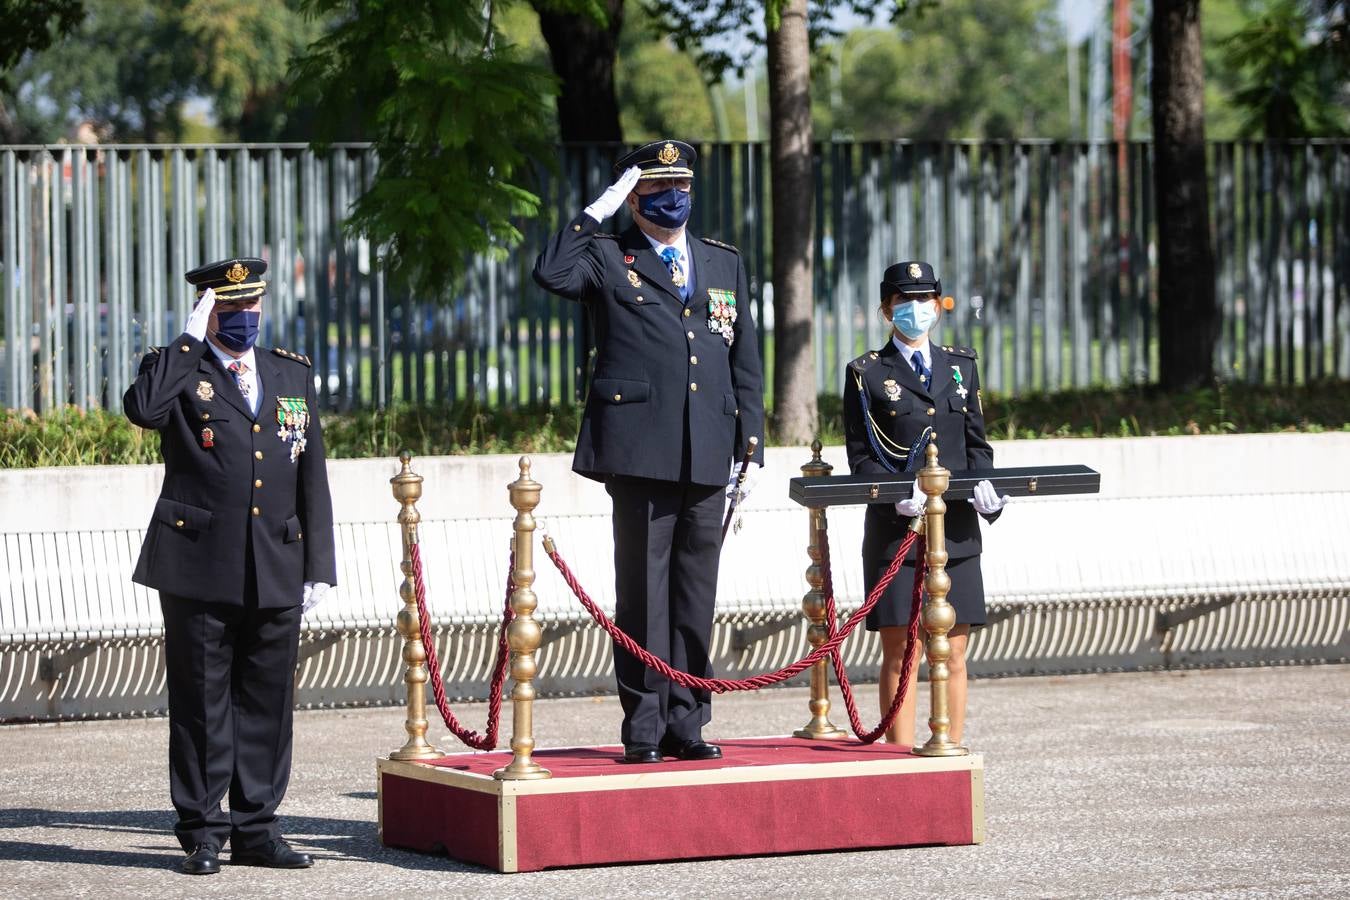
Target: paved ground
{"x": 1199, "y": 784}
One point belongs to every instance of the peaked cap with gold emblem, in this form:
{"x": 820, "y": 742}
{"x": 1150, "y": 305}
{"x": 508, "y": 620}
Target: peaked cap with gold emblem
{"x": 909, "y": 278}
{"x": 238, "y": 278}
{"x": 659, "y": 159}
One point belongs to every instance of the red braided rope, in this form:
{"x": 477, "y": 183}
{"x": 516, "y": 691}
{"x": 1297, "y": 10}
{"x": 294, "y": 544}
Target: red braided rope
{"x": 487, "y": 741}
{"x": 724, "y": 685}
{"x": 916, "y": 598}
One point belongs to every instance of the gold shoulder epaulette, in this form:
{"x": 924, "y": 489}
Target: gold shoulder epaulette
{"x": 723, "y": 245}
{"x": 297, "y": 357}
{"x": 968, "y": 352}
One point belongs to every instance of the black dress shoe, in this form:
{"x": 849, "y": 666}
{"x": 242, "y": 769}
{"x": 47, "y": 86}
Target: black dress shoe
{"x": 274, "y": 855}
{"x": 641, "y": 753}
{"x": 690, "y": 750}
{"x": 203, "y": 860}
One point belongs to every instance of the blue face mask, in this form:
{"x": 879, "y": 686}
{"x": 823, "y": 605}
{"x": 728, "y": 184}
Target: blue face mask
{"x": 915, "y": 318}
{"x": 667, "y": 209}
{"x": 238, "y": 329}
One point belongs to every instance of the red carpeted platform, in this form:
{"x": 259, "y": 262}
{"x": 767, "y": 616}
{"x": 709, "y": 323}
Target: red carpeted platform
{"x": 766, "y": 795}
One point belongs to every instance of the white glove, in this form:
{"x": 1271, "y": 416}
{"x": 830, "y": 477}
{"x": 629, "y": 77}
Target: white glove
{"x": 914, "y": 505}
{"x": 200, "y": 315}
{"x": 315, "y": 591}
{"x": 751, "y": 476}
{"x": 608, "y": 203}
{"x": 986, "y": 500}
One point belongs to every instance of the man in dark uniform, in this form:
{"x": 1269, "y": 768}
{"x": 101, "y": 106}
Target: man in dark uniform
{"x": 675, "y": 396}
{"x": 241, "y": 539}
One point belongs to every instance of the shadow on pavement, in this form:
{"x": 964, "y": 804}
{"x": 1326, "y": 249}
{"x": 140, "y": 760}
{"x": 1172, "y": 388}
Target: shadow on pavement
{"x": 327, "y": 839}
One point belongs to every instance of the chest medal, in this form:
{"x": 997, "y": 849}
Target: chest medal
{"x": 722, "y": 313}
{"x": 293, "y": 419}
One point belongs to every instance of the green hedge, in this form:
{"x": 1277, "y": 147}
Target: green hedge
{"x": 74, "y": 438}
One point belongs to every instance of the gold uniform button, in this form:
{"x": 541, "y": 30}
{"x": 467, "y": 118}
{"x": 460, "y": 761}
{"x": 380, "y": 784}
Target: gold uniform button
{"x": 257, "y": 428}
{"x": 257, "y": 483}
{"x": 931, "y": 411}
{"x": 256, "y": 511}
{"x": 257, "y": 454}
{"x": 687, "y": 313}
{"x": 892, "y": 412}
{"x": 693, "y": 386}
{"x": 299, "y": 535}
{"x": 963, "y": 409}
{"x": 691, "y": 335}
{"x": 638, "y": 298}
{"x": 576, "y": 227}
{"x": 185, "y": 348}
{"x": 179, "y": 523}
{"x": 618, "y": 397}
{"x": 206, "y": 416}
{"x": 693, "y": 360}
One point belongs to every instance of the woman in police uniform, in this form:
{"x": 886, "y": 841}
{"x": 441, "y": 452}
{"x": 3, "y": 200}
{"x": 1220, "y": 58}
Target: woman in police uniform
{"x": 890, "y": 396}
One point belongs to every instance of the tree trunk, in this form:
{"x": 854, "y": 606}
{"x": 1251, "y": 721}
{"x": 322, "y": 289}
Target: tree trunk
{"x": 583, "y": 54}
{"x": 1188, "y": 315}
{"x": 793, "y": 190}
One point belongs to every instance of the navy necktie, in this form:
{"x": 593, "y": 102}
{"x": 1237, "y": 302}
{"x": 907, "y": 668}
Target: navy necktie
{"x": 919, "y": 368}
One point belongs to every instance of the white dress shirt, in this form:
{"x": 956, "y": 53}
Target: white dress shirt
{"x": 250, "y": 378}
{"x": 908, "y": 352}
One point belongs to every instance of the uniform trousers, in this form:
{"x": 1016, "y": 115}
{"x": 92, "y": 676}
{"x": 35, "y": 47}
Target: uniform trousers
{"x": 231, "y": 678}
{"x": 667, "y": 544}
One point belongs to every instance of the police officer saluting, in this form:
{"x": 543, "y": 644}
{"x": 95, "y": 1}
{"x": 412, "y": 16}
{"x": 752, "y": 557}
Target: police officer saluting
{"x": 241, "y": 539}
{"x": 675, "y": 396}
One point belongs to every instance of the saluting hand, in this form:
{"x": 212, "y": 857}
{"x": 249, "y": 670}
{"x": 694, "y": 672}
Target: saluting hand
{"x": 608, "y": 203}
{"x": 200, "y": 315}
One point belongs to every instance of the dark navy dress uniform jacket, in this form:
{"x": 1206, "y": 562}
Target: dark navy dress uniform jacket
{"x": 205, "y": 516}
{"x": 659, "y": 371}
{"x": 950, "y": 406}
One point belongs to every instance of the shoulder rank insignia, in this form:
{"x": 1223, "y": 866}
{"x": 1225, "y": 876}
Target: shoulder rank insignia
{"x": 968, "y": 352}
{"x": 861, "y": 362}
{"x": 297, "y": 357}
{"x": 717, "y": 243}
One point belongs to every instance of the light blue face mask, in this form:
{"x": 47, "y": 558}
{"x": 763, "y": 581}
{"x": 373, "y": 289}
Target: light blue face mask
{"x": 915, "y": 318}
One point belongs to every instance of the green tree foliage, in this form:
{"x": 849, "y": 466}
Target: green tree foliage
{"x": 131, "y": 65}
{"x": 1292, "y": 70}
{"x": 31, "y": 25}
{"x": 661, "y": 90}
{"x": 456, "y": 117}
{"x": 970, "y": 69}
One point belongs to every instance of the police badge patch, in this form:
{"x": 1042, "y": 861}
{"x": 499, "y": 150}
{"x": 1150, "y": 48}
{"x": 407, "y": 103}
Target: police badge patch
{"x": 293, "y": 417}
{"x": 722, "y": 313}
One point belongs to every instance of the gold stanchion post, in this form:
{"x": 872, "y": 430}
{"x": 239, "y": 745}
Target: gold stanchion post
{"x": 819, "y": 727}
{"x": 407, "y": 488}
{"x": 938, "y": 614}
{"x": 524, "y": 634}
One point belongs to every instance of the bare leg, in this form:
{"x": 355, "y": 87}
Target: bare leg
{"x": 893, "y": 641}
{"x": 956, "y": 681}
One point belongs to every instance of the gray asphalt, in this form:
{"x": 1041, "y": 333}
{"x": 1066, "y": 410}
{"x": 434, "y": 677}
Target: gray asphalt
{"x": 1219, "y": 783}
